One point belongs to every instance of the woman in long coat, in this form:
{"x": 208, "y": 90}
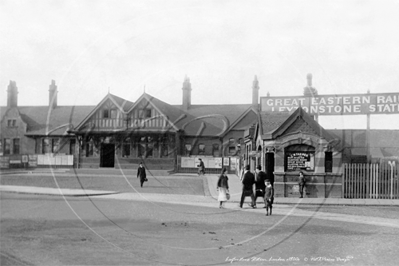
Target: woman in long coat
{"x": 223, "y": 187}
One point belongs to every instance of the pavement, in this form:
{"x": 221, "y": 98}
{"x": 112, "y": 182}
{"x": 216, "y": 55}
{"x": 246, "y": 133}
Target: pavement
{"x": 211, "y": 192}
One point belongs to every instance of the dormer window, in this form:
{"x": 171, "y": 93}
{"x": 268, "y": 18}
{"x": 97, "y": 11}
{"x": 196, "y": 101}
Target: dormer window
{"x": 11, "y": 122}
{"x": 145, "y": 113}
{"x": 106, "y": 113}
{"x": 113, "y": 113}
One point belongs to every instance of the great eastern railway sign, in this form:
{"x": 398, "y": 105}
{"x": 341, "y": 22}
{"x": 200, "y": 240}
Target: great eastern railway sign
{"x": 344, "y": 104}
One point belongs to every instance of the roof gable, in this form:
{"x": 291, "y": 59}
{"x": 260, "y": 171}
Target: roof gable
{"x": 298, "y": 121}
{"x": 109, "y": 102}
{"x": 164, "y": 116}
{"x": 246, "y": 119}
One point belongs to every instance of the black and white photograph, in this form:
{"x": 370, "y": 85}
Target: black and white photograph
{"x": 199, "y": 132}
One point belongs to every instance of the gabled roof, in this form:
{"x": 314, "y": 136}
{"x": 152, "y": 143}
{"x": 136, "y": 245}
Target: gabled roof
{"x": 284, "y": 125}
{"x": 41, "y": 121}
{"x": 124, "y": 104}
{"x": 218, "y": 118}
{"x": 270, "y": 121}
{"x": 242, "y": 116}
{"x": 180, "y": 119}
{"x": 119, "y": 102}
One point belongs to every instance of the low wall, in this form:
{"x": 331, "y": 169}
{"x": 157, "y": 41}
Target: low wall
{"x": 318, "y": 185}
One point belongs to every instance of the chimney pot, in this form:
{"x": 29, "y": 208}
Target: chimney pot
{"x": 53, "y": 94}
{"x": 186, "y": 93}
{"x": 12, "y": 94}
{"x": 255, "y": 92}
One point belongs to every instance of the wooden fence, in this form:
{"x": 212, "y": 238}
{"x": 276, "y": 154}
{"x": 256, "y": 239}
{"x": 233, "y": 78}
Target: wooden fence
{"x": 371, "y": 181}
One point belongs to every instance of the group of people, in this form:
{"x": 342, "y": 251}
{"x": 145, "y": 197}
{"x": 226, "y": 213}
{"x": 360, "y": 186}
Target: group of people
{"x": 263, "y": 188}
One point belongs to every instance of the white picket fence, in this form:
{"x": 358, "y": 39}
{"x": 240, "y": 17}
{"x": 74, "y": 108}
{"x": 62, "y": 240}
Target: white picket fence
{"x": 370, "y": 181}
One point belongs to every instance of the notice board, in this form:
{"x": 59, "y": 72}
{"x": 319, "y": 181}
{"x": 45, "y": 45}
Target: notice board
{"x": 300, "y": 160}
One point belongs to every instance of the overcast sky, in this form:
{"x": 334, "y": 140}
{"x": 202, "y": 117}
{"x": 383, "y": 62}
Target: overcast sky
{"x": 92, "y": 47}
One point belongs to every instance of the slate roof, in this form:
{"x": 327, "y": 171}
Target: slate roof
{"x": 37, "y": 123}
{"x": 124, "y": 104}
{"x": 290, "y": 118}
{"x": 186, "y": 120}
{"x": 270, "y": 121}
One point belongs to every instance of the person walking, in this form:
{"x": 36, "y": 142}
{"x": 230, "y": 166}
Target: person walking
{"x": 223, "y": 187}
{"x": 247, "y": 187}
{"x": 141, "y": 173}
{"x": 260, "y": 183}
{"x": 269, "y": 197}
{"x": 301, "y": 183}
{"x": 201, "y": 167}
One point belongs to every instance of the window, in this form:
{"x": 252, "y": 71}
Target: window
{"x": 187, "y": 149}
{"x": 45, "y": 145}
{"x": 15, "y": 146}
{"x": 126, "y": 147}
{"x": 72, "y": 144}
{"x": 89, "y": 148}
{"x": 7, "y": 146}
{"x": 215, "y": 150}
{"x": 11, "y": 122}
{"x": 328, "y": 162}
{"x": 113, "y": 113}
{"x": 232, "y": 147}
{"x": 141, "y": 149}
{"x": 55, "y": 143}
{"x": 106, "y": 113}
{"x": 147, "y": 113}
{"x": 201, "y": 149}
{"x": 164, "y": 149}
{"x": 150, "y": 148}
{"x": 240, "y": 143}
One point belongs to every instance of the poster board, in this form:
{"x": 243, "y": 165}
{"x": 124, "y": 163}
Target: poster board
{"x": 4, "y": 162}
{"x": 209, "y": 162}
{"x": 299, "y": 160}
{"x": 226, "y": 161}
{"x": 32, "y": 160}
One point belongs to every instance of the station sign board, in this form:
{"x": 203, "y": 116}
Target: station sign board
{"x": 342, "y": 104}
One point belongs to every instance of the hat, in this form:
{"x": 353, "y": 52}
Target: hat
{"x": 259, "y": 167}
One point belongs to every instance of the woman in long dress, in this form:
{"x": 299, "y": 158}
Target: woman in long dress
{"x": 223, "y": 187}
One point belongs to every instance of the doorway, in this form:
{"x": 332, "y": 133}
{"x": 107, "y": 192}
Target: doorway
{"x": 270, "y": 165}
{"x": 107, "y": 155}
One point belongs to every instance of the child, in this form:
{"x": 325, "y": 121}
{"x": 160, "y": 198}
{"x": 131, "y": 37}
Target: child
{"x": 269, "y": 197}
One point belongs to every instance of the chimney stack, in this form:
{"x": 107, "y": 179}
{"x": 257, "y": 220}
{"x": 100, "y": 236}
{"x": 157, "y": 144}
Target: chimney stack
{"x": 309, "y": 90}
{"x": 12, "y": 94}
{"x": 255, "y": 92}
{"x": 53, "y": 95}
{"x": 186, "y": 93}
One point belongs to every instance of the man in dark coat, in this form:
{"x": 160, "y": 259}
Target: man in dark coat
{"x": 260, "y": 183}
{"x": 141, "y": 173}
{"x": 248, "y": 182}
{"x": 201, "y": 167}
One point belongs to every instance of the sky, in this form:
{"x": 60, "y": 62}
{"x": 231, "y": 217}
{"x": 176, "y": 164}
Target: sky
{"x": 92, "y": 47}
